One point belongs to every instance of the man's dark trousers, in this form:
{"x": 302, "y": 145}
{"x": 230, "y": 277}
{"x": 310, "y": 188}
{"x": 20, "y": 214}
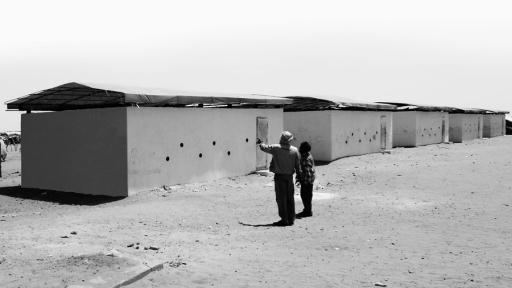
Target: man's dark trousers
{"x": 284, "y": 197}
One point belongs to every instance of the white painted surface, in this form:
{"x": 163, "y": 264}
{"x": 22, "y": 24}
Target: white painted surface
{"x": 416, "y": 128}
{"x": 336, "y": 134}
{"x": 465, "y": 127}
{"x": 493, "y": 125}
{"x": 82, "y": 151}
{"x": 429, "y": 127}
{"x": 314, "y": 127}
{"x": 404, "y": 129}
{"x": 120, "y": 151}
{"x": 156, "y": 133}
{"x": 358, "y": 132}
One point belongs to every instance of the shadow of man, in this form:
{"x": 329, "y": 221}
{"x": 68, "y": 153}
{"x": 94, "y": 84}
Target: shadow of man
{"x": 275, "y": 224}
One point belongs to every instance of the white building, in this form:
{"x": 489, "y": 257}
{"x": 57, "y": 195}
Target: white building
{"x": 417, "y": 125}
{"x": 494, "y": 123}
{"x": 116, "y": 141}
{"x": 466, "y": 124}
{"x": 338, "y": 127}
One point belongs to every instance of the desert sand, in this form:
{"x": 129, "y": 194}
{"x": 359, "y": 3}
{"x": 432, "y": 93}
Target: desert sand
{"x": 432, "y": 216}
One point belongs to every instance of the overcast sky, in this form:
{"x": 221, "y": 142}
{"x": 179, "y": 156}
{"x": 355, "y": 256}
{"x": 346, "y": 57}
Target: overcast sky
{"x": 456, "y": 53}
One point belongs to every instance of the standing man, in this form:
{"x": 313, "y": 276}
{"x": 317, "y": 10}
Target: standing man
{"x": 285, "y": 162}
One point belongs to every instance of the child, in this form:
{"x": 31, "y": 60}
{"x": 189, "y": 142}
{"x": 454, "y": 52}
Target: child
{"x": 306, "y": 179}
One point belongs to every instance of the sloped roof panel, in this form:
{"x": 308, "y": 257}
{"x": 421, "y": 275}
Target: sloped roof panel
{"x": 309, "y": 103}
{"x": 421, "y": 107}
{"x": 417, "y": 107}
{"x": 91, "y": 95}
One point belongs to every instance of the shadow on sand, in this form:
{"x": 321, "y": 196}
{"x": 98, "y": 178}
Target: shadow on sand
{"x": 322, "y": 163}
{"x": 62, "y": 198}
{"x": 258, "y": 225}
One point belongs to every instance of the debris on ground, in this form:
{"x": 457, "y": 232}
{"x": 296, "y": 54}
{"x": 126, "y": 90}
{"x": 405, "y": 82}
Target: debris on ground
{"x": 176, "y": 262}
{"x": 170, "y": 188}
{"x": 113, "y": 253}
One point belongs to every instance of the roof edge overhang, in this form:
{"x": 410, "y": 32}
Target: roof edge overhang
{"x": 73, "y": 95}
{"x": 453, "y": 110}
{"x": 310, "y": 103}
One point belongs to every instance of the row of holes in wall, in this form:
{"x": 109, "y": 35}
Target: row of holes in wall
{"x": 426, "y": 130}
{"x": 201, "y": 154}
{"x": 376, "y": 132}
{"x": 360, "y": 141}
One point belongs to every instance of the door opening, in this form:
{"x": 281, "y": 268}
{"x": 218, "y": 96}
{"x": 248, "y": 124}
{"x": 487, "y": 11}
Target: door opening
{"x": 443, "y": 131}
{"x": 383, "y": 132}
{"x": 479, "y": 128}
{"x": 262, "y": 134}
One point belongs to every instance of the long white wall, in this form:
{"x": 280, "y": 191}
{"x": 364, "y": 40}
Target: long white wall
{"x": 493, "y": 125}
{"x": 429, "y": 127}
{"x": 334, "y": 134}
{"x": 404, "y": 129}
{"x": 157, "y": 133}
{"x": 416, "y": 128}
{"x": 465, "y": 127}
{"x": 314, "y": 127}
{"x": 82, "y": 151}
{"x": 120, "y": 151}
{"x": 359, "y": 132}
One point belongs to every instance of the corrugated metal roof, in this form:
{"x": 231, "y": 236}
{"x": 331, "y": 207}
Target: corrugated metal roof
{"x": 478, "y": 111}
{"x": 421, "y": 107}
{"x": 75, "y": 95}
{"x": 310, "y": 103}
{"x": 417, "y": 107}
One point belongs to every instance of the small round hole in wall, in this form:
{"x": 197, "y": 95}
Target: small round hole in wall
{"x": 359, "y": 140}
{"x": 167, "y": 158}
{"x": 370, "y": 139}
{"x": 376, "y": 132}
{"x": 213, "y": 143}
{"x": 181, "y": 145}
{"x": 364, "y": 132}
{"x": 352, "y": 133}
{"x": 229, "y": 153}
{"x": 346, "y": 142}
{"x": 246, "y": 139}
{"x": 200, "y": 155}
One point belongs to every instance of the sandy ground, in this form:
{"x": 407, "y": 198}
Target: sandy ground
{"x": 433, "y": 216}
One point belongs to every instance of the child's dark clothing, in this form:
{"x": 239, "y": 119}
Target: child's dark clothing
{"x": 306, "y": 194}
{"x": 306, "y": 179}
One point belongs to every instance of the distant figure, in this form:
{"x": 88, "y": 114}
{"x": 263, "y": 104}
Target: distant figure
{"x": 3, "y": 151}
{"x": 12, "y": 143}
{"x": 285, "y": 162}
{"x": 306, "y": 179}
